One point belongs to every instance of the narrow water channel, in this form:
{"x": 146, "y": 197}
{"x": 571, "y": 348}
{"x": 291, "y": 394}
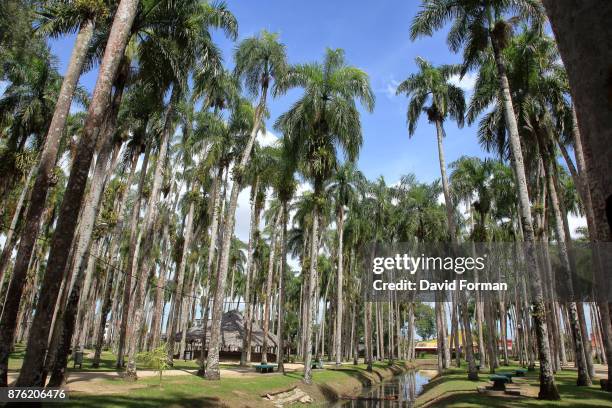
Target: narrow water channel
{"x": 399, "y": 391}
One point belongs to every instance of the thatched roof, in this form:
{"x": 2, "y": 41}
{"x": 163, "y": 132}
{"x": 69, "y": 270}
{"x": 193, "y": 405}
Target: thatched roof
{"x": 232, "y": 332}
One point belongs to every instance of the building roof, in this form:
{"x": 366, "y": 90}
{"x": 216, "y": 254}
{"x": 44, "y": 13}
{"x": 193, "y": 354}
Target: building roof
{"x": 232, "y": 332}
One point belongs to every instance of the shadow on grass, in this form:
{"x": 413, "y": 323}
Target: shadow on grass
{"x": 141, "y": 402}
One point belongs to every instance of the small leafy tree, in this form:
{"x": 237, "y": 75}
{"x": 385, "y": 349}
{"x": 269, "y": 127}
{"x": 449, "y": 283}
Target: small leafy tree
{"x": 157, "y": 359}
{"x": 425, "y": 322}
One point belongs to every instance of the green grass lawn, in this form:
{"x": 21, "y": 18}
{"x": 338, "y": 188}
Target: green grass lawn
{"x": 454, "y": 390}
{"x": 193, "y": 391}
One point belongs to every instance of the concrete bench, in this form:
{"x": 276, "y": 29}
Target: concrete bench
{"x": 507, "y": 375}
{"x": 264, "y": 368}
{"x": 317, "y": 365}
{"x": 499, "y": 382}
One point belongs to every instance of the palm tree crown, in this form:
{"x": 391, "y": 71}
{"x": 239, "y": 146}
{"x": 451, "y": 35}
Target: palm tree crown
{"x": 431, "y": 92}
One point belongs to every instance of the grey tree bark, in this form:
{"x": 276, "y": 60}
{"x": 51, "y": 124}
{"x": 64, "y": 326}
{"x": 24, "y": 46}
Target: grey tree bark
{"x": 214, "y": 226}
{"x": 310, "y": 291}
{"x": 269, "y": 283}
{"x": 548, "y": 389}
{"x": 38, "y": 196}
{"x": 212, "y": 371}
{"x": 31, "y": 370}
{"x": 150, "y": 218}
{"x": 339, "y": 284}
{"x": 253, "y": 234}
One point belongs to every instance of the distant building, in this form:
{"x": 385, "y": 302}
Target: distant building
{"x": 232, "y": 335}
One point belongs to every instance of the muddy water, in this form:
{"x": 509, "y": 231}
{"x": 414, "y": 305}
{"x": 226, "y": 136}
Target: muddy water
{"x": 399, "y": 391}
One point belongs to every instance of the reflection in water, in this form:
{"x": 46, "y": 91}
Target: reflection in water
{"x": 400, "y": 391}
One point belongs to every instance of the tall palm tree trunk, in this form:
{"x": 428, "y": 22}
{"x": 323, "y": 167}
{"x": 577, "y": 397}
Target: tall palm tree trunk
{"x": 38, "y": 196}
{"x": 83, "y": 270}
{"x": 548, "y": 389}
{"x": 179, "y": 291}
{"x": 132, "y": 255}
{"x": 113, "y": 250}
{"x": 339, "y": 284}
{"x": 583, "y": 35}
{"x": 102, "y": 171}
{"x": 9, "y": 243}
{"x": 367, "y": 317}
{"x": 148, "y": 229}
{"x": 212, "y": 372}
{"x": 310, "y": 290}
{"x": 269, "y": 284}
{"x": 160, "y": 290}
{"x": 185, "y": 312}
{"x": 580, "y": 358}
{"x": 281, "y": 288}
{"x": 249, "y": 266}
{"x": 31, "y": 370}
{"x": 214, "y": 226}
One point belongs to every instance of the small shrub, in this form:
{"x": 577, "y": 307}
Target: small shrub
{"x": 157, "y": 359}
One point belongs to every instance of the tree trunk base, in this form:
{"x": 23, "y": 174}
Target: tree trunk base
{"x": 57, "y": 380}
{"x": 201, "y": 372}
{"x": 473, "y": 375}
{"x": 605, "y": 385}
{"x": 212, "y": 374}
{"x": 549, "y": 393}
{"x": 130, "y": 375}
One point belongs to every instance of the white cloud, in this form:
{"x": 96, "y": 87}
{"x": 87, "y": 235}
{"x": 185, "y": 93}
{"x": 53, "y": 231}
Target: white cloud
{"x": 266, "y": 138}
{"x": 243, "y": 215}
{"x": 391, "y": 88}
{"x": 466, "y": 83}
{"x": 575, "y": 222}
{"x": 302, "y": 188}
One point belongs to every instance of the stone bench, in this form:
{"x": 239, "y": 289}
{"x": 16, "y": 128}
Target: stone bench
{"x": 520, "y": 372}
{"x": 507, "y": 375}
{"x": 499, "y": 382}
{"x": 264, "y": 368}
{"x": 317, "y": 365}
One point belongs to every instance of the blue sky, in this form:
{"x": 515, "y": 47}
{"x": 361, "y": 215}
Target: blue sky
{"x": 375, "y": 38}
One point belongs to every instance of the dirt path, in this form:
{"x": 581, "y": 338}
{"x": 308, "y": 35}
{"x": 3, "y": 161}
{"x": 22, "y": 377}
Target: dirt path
{"x": 94, "y": 381}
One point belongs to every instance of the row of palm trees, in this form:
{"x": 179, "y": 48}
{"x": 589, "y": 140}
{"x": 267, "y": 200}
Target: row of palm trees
{"x": 168, "y": 140}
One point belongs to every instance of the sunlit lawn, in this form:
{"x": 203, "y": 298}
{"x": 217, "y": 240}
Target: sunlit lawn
{"x": 454, "y": 390}
{"x": 193, "y": 391}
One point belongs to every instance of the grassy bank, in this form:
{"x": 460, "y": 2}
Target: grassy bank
{"x": 452, "y": 389}
{"x": 192, "y": 391}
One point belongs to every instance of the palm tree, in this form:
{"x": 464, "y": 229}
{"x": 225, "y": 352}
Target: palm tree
{"x": 581, "y": 37}
{"x": 343, "y": 189}
{"x": 259, "y": 61}
{"x": 193, "y": 51}
{"x": 431, "y": 86}
{"x": 538, "y": 79}
{"x": 31, "y": 371}
{"x": 478, "y": 26}
{"x": 285, "y": 185}
{"x": 257, "y": 199}
{"x": 326, "y": 116}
